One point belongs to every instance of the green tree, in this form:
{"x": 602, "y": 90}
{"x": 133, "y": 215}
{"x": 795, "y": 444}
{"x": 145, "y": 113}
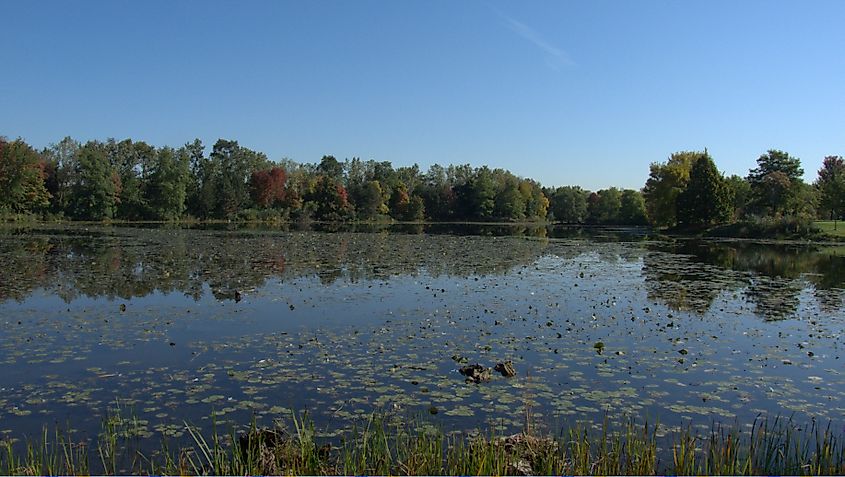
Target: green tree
{"x": 632, "y": 208}
{"x": 168, "y": 183}
{"x": 569, "y": 204}
{"x": 410, "y": 176}
{"x": 21, "y": 178}
{"x": 707, "y": 198}
{"x": 477, "y": 196}
{"x": 437, "y": 193}
{"x": 415, "y": 210}
{"x": 831, "y": 186}
{"x": 605, "y": 207}
{"x": 775, "y": 183}
{"x": 805, "y": 200}
{"x": 96, "y": 191}
{"x": 664, "y": 183}
{"x": 132, "y": 161}
{"x": 202, "y": 187}
{"x": 740, "y": 191}
{"x": 236, "y": 165}
{"x": 509, "y": 202}
{"x": 331, "y": 167}
{"x": 370, "y": 201}
{"x": 61, "y": 159}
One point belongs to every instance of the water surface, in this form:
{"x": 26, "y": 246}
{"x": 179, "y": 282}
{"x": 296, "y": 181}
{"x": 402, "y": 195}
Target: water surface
{"x": 177, "y": 323}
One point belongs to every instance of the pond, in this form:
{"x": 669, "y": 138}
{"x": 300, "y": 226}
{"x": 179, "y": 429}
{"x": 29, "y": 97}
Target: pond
{"x": 178, "y": 324}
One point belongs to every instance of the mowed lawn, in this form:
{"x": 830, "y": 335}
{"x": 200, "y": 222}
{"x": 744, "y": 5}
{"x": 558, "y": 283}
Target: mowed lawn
{"x": 827, "y": 226}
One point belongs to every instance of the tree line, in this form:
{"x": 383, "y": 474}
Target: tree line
{"x": 132, "y": 180}
{"x": 689, "y": 191}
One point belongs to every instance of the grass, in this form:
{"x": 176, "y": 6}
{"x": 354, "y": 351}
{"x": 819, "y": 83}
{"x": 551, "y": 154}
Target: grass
{"x": 782, "y": 228}
{"x": 379, "y": 446}
{"x": 829, "y": 227}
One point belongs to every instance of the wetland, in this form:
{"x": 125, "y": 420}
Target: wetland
{"x": 218, "y": 326}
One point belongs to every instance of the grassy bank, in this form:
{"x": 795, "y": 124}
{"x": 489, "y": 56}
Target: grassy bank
{"x": 787, "y": 228}
{"x": 380, "y": 447}
{"x": 831, "y": 228}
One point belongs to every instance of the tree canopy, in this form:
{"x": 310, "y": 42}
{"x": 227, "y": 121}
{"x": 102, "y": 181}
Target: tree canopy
{"x": 133, "y": 180}
{"x": 775, "y": 183}
{"x": 665, "y": 182}
{"x": 21, "y": 178}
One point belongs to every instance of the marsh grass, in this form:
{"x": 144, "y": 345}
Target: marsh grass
{"x": 380, "y": 445}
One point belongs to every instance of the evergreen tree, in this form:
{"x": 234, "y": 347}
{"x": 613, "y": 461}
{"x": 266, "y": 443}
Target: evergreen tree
{"x": 831, "y": 186}
{"x": 329, "y": 166}
{"x": 707, "y": 198}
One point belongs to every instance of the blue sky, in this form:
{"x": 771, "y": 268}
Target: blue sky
{"x": 565, "y": 92}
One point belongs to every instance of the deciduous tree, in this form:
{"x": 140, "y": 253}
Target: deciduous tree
{"x": 21, "y": 178}
{"x": 96, "y": 191}
{"x": 775, "y": 182}
{"x": 569, "y": 204}
{"x": 632, "y": 208}
{"x": 268, "y": 186}
{"x": 168, "y": 183}
{"x": 664, "y": 183}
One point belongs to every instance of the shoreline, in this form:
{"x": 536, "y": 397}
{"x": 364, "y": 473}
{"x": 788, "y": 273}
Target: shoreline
{"x": 380, "y": 447}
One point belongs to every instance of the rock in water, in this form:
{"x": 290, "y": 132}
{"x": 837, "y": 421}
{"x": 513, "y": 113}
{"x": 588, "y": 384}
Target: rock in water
{"x": 506, "y": 369}
{"x": 476, "y": 373}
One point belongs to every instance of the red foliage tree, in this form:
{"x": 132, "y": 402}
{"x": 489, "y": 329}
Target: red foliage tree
{"x": 268, "y": 186}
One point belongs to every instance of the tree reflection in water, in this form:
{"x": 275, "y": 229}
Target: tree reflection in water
{"x": 127, "y": 262}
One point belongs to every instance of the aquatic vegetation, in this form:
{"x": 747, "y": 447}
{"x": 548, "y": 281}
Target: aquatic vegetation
{"x": 383, "y": 445}
{"x": 346, "y": 323}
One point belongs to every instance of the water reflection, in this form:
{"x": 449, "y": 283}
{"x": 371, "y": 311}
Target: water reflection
{"x": 771, "y": 276}
{"x": 373, "y": 317}
{"x": 135, "y": 262}
{"x": 126, "y": 262}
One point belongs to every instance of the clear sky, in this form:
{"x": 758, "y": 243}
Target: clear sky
{"x": 566, "y": 92}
